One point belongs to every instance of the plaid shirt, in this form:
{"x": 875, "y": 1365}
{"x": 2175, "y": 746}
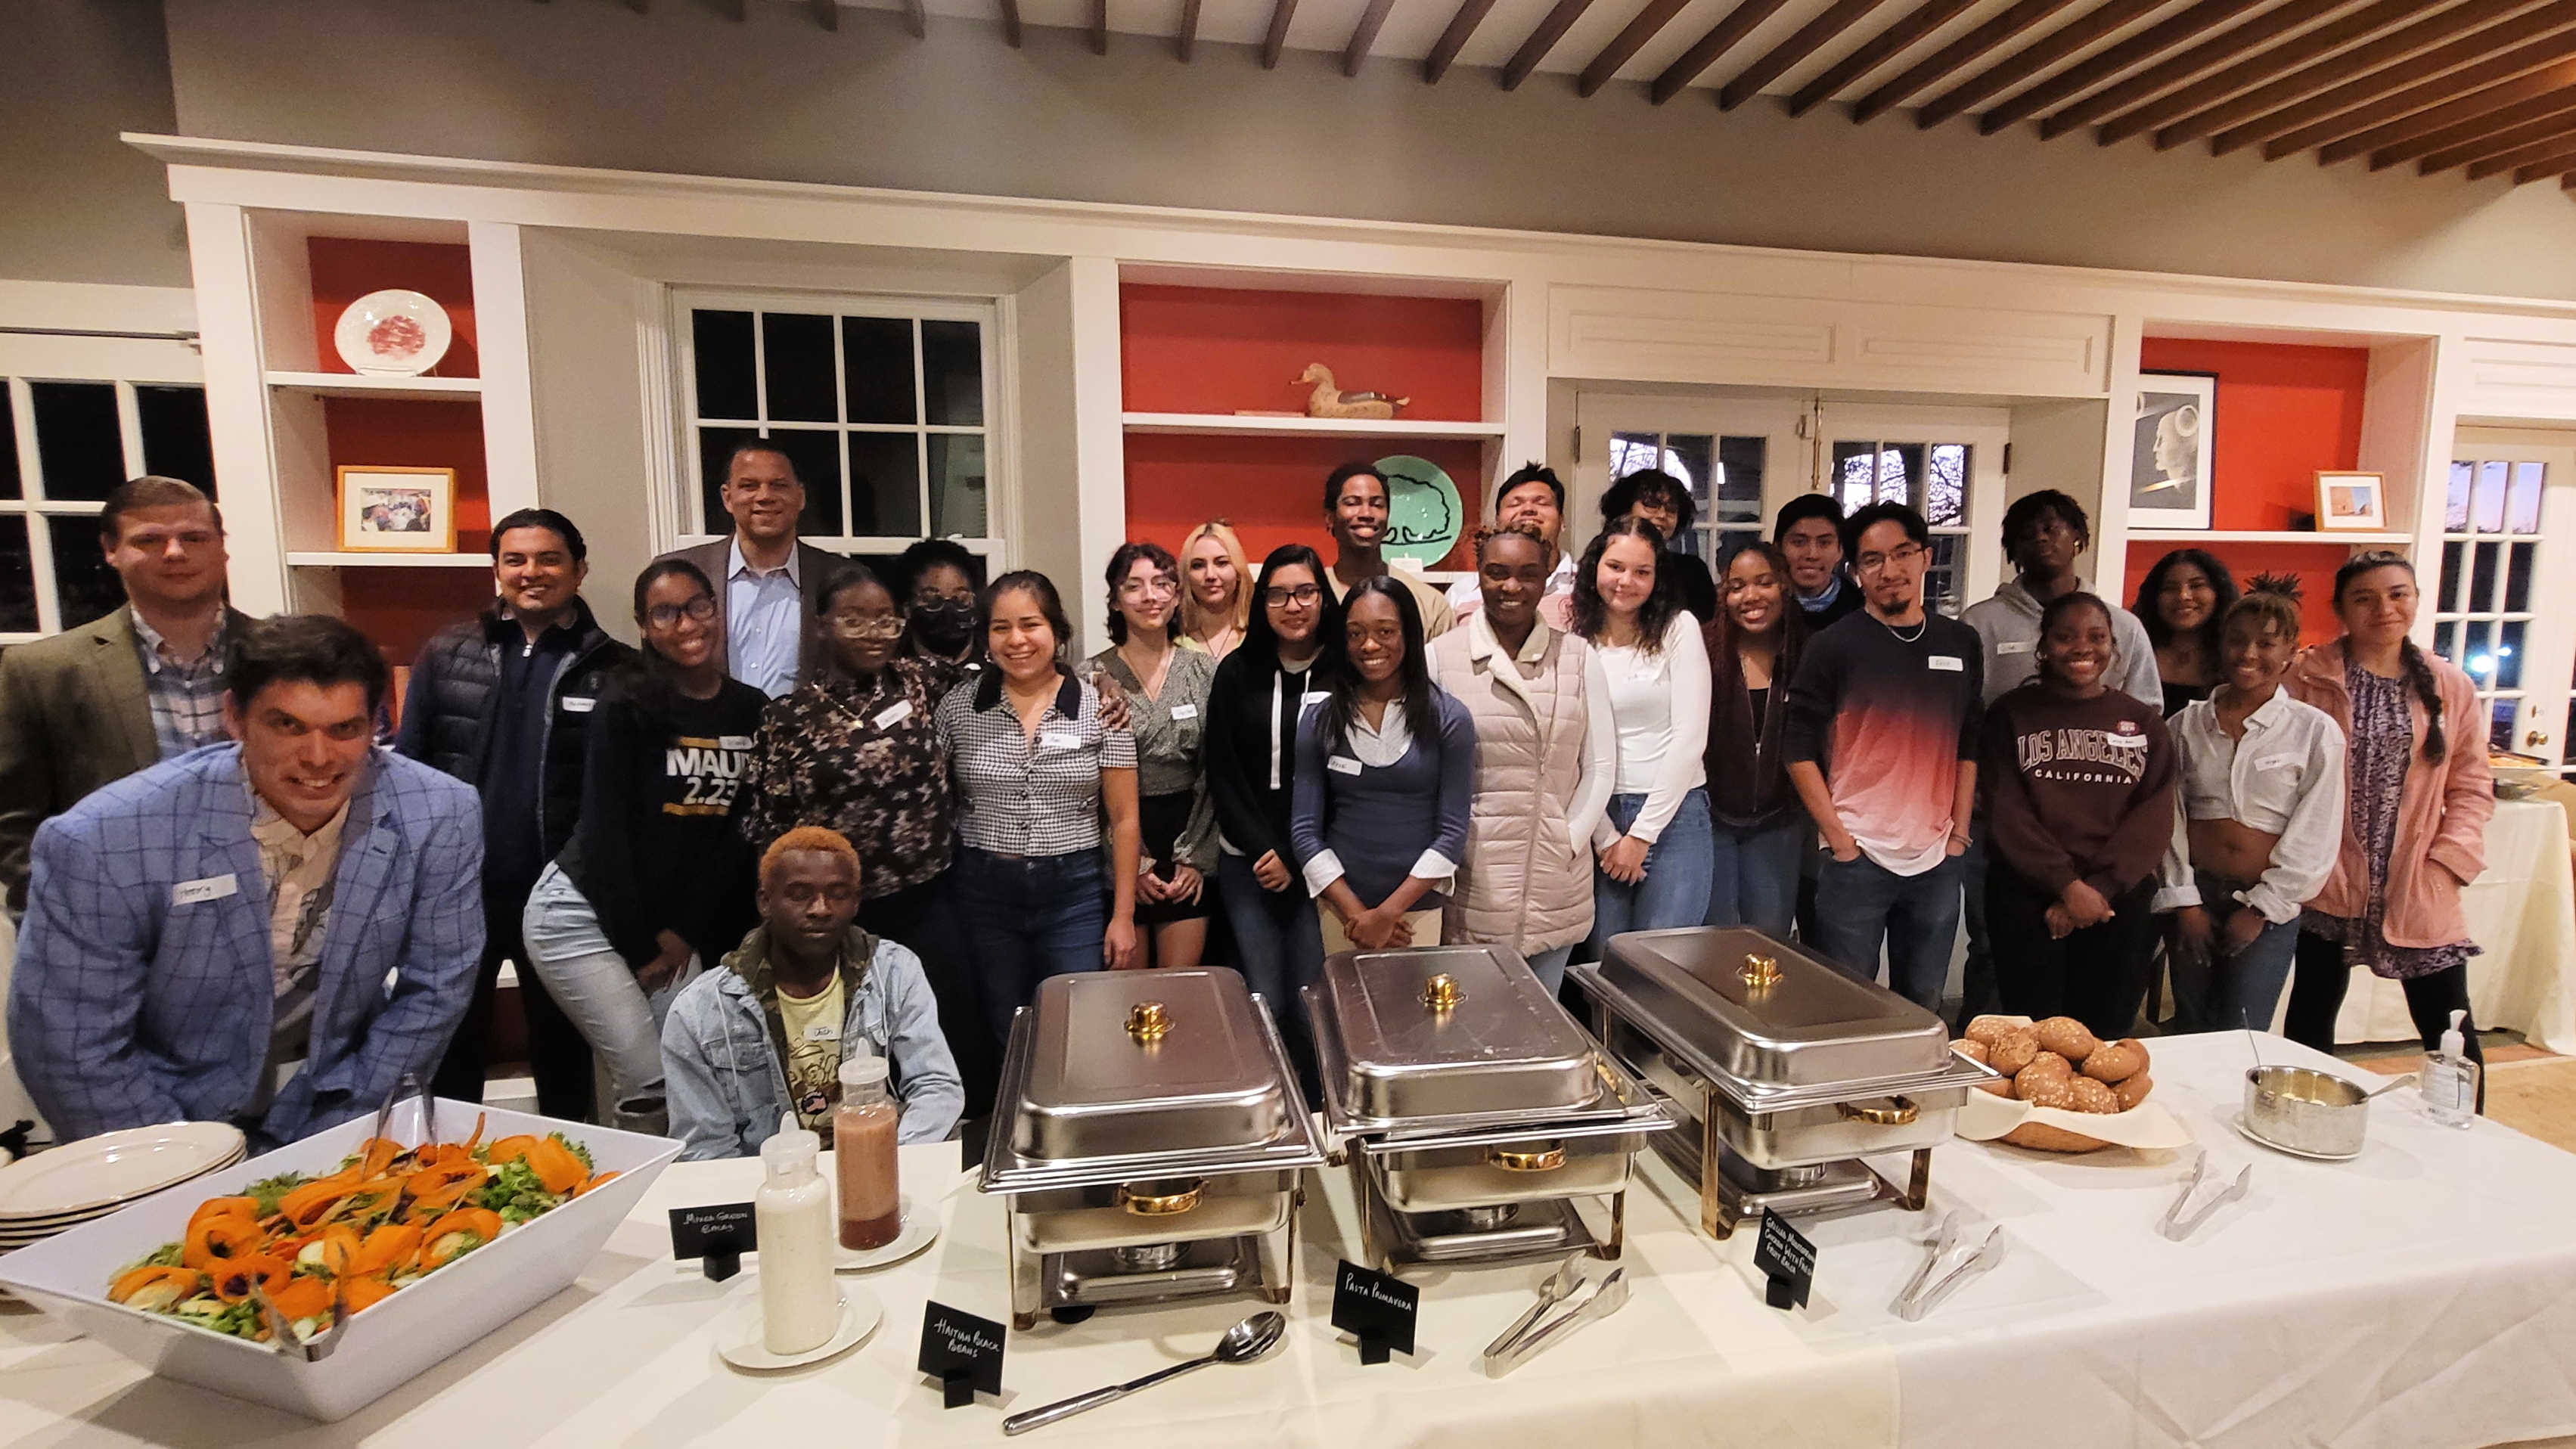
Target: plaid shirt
{"x": 1023, "y": 796}
{"x": 187, "y": 699}
{"x": 144, "y": 989}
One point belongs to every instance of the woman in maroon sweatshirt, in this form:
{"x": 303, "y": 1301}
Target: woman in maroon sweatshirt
{"x": 2079, "y": 782}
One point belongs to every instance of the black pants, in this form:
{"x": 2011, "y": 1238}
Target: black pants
{"x": 558, "y": 1057}
{"x": 2316, "y": 996}
{"x": 2097, "y": 975}
{"x": 923, "y": 918}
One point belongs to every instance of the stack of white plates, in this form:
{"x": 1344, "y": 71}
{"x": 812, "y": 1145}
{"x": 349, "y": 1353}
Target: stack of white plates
{"x": 48, "y": 1192}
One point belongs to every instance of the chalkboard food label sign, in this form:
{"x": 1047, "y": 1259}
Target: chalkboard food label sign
{"x": 1787, "y": 1260}
{"x": 962, "y": 1351}
{"x": 717, "y": 1234}
{"x": 1377, "y": 1308}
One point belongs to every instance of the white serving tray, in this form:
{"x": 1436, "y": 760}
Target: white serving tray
{"x": 387, "y": 1345}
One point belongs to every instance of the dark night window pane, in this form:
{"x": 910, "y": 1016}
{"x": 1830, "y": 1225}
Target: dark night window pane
{"x": 10, "y": 486}
{"x": 175, "y": 444}
{"x": 726, "y": 383}
{"x": 876, "y": 358}
{"x": 885, "y": 485}
{"x": 77, "y": 439}
{"x": 796, "y": 353}
{"x": 84, "y": 586}
{"x": 952, "y": 372}
{"x": 957, "y": 499}
{"x": 17, "y": 579}
{"x": 715, "y": 447}
{"x": 817, "y": 456}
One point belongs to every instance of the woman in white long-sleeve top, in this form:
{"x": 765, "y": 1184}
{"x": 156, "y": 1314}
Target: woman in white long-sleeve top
{"x": 1545, "y": 755}
{"x": 1656, "y": 845}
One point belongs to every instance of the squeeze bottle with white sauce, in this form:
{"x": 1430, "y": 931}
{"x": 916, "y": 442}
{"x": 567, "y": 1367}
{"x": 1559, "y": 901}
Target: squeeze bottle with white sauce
{"x": 2450, "y": 1079}
{"x": 863, "y": 1153}
{"x": 800, "y": 1305}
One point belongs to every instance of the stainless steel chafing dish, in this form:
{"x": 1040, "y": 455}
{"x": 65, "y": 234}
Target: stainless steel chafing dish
{"x": 1787, "y": 1070}
{"x": 1150, "y": 1142}
{"x": 1473, "y": 1110}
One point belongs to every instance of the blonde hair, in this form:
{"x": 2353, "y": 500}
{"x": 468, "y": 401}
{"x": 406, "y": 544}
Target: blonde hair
{"x": 1195, "y": 618}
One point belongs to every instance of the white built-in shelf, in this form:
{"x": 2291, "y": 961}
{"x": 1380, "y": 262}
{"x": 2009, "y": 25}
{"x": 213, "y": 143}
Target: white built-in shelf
{"x": 360, "y": 384}
{"x": 2248, "y": 535}
{"x": 1276, "y": 427}
{"x": 389, "y": 560}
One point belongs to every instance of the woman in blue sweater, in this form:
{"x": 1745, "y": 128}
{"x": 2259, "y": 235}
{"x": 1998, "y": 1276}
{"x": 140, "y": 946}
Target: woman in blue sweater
{"x": 1385, "y": 768}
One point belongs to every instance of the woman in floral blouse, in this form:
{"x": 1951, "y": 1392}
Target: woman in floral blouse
{"x": 857, "y": 751}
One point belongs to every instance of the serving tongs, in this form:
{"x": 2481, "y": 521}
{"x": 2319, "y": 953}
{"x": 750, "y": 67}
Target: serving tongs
{"x": 282, "y": 1336}
{"x": 2176, "y": 1225}
{"x": 1527, "y": 1338}
{"x": 1931, "y": 1283}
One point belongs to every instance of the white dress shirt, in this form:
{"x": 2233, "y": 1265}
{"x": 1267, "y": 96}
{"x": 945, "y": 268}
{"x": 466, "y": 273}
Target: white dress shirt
{"x": 2284, "y": 778}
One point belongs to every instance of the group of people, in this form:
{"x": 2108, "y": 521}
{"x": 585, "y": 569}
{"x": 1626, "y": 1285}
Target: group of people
{"x": 823, "y": 811}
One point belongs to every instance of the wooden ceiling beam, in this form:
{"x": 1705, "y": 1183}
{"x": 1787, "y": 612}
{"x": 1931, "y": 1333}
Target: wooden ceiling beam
{"x": 826, "y": 13}
{"x": 2562, "y": 165}
{"x": 2173, "y": 71}
{"x": 2497, "y": 131}
{"x": 1542, "y": 40}
{"x": 1097, "y": 32}
{"x": 1363, "y": 35}
{"x": 1185, "y": 41}
{"x": 1011, "y": 23}
{"x": 2113, "y": 62}
{"x": 2444, "y": 100}
{"x": 1838, "y": 17}
{"x": 1276, "y": 39}
{"x": 2428, "y": 66}
{"x": 2362, "y": 59}
{"x": 1471, "y": 13}
{"x": 2538, "y": 150}
{"x": 2255, "y": 69}
{"x": 1623, "y": 47}
{"x": 640, "y": 7}
{"x": 2020, "y": 66}
{"x": 916, "y": 19}
{"x": 1876, "y": 51}
{"x": 2479, "y": 102}
{"x": 1722, "y": 37}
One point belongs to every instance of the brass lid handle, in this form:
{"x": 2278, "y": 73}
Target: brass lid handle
{"x": 1760, "y": 971}
{"x": 1527, "y": 1159}
{"x": 1441, "y": 993}
{"x": 1148, "y": 1022}
{"x": 1160, "y": 1199}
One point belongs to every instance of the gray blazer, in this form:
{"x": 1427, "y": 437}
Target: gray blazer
{"x": 814, "y": 567}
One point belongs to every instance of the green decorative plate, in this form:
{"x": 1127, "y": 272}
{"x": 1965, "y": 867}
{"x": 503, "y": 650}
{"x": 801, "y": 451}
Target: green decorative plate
{"x": 1424, "y": 515}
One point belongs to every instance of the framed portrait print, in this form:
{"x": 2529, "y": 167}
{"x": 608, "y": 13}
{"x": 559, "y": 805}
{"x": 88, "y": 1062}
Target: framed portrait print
{"x": 2170, "y": 453}
{"x": 398, "y": 510}
{"x": 2351, "y": 503}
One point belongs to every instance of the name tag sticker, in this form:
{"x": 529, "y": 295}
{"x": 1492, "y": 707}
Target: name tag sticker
{"x": 579, "y": 703}
{"x": 733, "y": 742}
{"x": 1342, "y": 765}
{"x": 823, "y": 1031}
{"x": 212, "y": 888}
{"x": 1059, "y": 740}
{"x": 2128, "y": 741}
{"x": 1947, "y": 663}
{"x": 2015, "y": 646}
{"x": 894, "y": 713}
{"x": 1185, "y": 711}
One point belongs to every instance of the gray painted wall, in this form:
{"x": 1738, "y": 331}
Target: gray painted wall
{"x": 76, "y": 204}
{"x": 681, "y": 89}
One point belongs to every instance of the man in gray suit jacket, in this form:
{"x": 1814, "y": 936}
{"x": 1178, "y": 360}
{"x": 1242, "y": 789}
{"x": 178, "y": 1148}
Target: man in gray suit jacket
{"x": 143, "y": 684}
{"x": 767, "y": 581}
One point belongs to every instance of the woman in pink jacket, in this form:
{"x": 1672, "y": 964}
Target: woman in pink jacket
{"x": 2418, "y": 795}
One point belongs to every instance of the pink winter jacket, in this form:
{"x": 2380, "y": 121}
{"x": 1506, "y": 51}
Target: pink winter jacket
{"x": 2441, "y": 813}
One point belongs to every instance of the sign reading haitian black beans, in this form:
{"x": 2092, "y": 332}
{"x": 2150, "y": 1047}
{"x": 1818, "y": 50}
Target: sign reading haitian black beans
{"x": 1787, "y": 1259}
{"x": 962, "y": 1351}
{"x": 1378, "y": 1308}
{"x": 719, "y": 1233}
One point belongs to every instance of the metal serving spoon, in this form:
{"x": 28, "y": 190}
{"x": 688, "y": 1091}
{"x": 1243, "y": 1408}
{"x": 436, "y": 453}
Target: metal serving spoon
{"x": 1242, "y": 1343}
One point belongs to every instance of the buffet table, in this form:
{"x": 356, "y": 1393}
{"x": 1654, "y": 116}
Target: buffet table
{"x": 2421, "y": 1295}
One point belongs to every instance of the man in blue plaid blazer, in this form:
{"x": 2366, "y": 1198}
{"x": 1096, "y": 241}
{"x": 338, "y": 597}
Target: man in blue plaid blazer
{"x": 160, "y": 977}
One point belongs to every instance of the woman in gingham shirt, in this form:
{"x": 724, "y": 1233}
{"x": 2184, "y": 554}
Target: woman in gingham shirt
{"x": 1034, "y": 767}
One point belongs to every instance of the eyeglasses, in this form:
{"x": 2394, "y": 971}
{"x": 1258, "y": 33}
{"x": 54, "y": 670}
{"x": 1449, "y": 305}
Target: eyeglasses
{"x": 1160, "y": 584}
{"x": 1871, "y": 563}
{"x": 1298, "y": 597}
{"x": 665, "y": 616}
{"x": 867, "y": 626}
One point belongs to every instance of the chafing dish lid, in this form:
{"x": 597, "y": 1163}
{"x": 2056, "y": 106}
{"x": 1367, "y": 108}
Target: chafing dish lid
{"x": 1130, "y": 1062}
{"x": 1451, "y": 1030}
{"x": 1801, "y": 1023}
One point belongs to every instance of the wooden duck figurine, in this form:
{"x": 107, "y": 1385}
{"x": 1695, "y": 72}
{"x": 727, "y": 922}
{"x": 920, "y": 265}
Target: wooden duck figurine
{"x": 1329, "y": 401}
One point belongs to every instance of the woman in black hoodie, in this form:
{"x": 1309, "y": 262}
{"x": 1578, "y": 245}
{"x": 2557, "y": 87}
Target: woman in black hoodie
{"x": 1763, "y": 834}
{"x": 1251, "y": 762}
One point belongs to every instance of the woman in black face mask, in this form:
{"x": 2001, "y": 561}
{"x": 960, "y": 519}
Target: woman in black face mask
{"x": 941, "y": 588}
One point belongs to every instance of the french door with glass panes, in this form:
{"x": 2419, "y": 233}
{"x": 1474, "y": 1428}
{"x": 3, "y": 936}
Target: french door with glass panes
{"x": 2508, "y": 532}
{"x": 1742, "y": 458}
{"x": 1948, "y": 464}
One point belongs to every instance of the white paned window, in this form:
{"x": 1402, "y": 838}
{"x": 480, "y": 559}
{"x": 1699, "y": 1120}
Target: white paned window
{"x": 2483, "y": 611}
{"x": 69, "y": 442}
{"x": 1932, "y": 479}
{"x": 1724, "y": 475}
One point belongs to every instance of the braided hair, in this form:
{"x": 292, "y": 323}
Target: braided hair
{"x": 2272, "y": 602}
{"x": 2419, "y": 672}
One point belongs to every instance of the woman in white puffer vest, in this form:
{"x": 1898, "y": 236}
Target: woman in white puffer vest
{"x": 1546, "y": 755}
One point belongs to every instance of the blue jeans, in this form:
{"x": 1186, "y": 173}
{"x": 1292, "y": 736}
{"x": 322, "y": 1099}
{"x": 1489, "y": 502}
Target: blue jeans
{"x": 1549, "y": 966}
{"x": 1027, "y": 919}
{"x": 1277, "y": 935}
{"x": 597, "y": 990}
{"x": 1861, "y": 905}
{"x": 1678, "y": 866}
{"x": 1755, "y": 882}
{"x": 2228, "y": 992}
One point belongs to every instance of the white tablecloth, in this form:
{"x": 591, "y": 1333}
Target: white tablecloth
{"x": 2522, "y": 912}
{"x": 2421, "y": 1296}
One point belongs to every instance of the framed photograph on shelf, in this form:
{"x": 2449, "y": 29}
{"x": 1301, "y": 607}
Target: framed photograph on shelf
{"x": 2351, "y": 503}
{"x": 398, "y": 510}
{"x": 2170, "y": 453}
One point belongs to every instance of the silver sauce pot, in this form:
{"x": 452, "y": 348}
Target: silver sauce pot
{"x": 2309, "y": 1112}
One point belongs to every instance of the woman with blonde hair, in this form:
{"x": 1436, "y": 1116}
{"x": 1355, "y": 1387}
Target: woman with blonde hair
{"x": 1215, "y": 602}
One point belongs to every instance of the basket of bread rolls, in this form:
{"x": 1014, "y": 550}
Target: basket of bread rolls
{"x": 2061, "y": 1088}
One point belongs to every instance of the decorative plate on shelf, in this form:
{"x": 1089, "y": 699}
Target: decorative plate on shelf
{"x": 1424, "y": 515}
{"x": 393, "y": 333}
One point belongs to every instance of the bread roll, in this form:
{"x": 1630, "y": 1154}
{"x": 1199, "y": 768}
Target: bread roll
{"x": 2092, "y": 1096}
{"x": 2134, "y": 1090}
{"x": 2067, "y": 1037}
{"x": 2012, "y": 1051}
{"x": 1974, "y": 1051}
{"x": 2041, "y": 1137}
{"x": 2042, "y": 1087}
{"x": 1985, "y": 1029}
{"x": 2117, "y": 1061}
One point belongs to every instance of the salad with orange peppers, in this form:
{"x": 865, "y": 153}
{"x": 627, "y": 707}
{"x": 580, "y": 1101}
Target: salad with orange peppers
{"x": 389, "y": 1217}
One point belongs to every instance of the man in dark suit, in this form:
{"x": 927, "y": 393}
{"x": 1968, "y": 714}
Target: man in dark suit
{"x": 768, "y": 581}
{"x": 144, "y": 684}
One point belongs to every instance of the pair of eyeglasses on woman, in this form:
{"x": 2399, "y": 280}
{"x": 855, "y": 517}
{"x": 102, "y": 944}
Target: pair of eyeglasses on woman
{"x": 664, "y": 616}
{"x": 866, "y": 626}
{"x": 1282, "y": 598}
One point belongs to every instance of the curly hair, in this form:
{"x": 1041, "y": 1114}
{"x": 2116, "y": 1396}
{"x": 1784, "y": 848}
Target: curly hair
{"x": 2221, "y": 582}
{"x": 1125, "y": 560}
{"x": 1591, "y": 614}
{"x": 2272, "y": 602}
{"x": 1647, "y": 485}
